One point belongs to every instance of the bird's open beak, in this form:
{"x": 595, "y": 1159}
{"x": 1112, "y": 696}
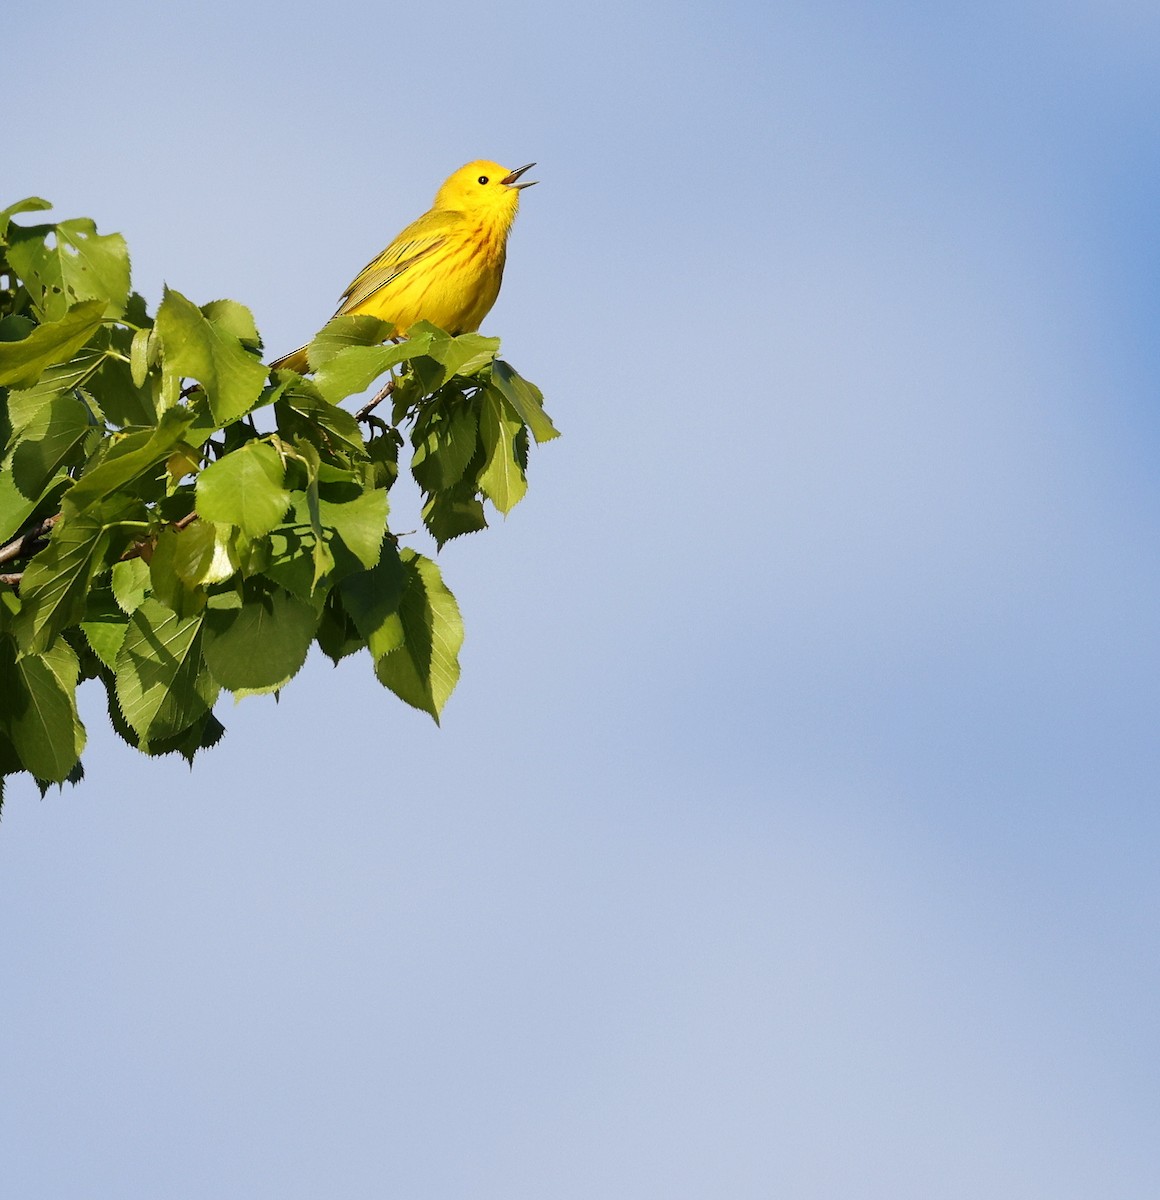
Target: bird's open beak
{"x": 510, "y": 180}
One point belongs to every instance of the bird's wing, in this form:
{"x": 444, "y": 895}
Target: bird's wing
{"x": 419, "y": 240}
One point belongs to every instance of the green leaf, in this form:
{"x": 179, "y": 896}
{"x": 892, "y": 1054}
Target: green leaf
{"x": 104, "y": 626}
{"x": 361, "y": 523}
{"x": 162, "y": 685}
{"x": 15, "y": 327}
{"x": 453, "y": 512}
{"x": 445, "y": 439}
{"x": 22, "y": 363}
{"x": 383, "y": 449}
{"x": 15, "y": 507}
{"x": 80, "y": 265}
{"x": 423, "y": 671}
{"x": 292, "y": 557}
{"x": 57, "y": 579}
{"x": 124, "y": 399}
{"x": 502, "y": 479}
{"x": 260, "y": 646}
{"x": 27, "y": 405}
{"x": 38, "y": 709}
{"x": 236, "y": 319}
{"x": 205, "y": 732}
{"x": 354, "y": 369}
{"x": 322, "y": 556}
{"x": 372, "y": 599}
{"x": 139, "y": 356}
{"x": 46, "y": 444}
{"x": 16, "y": 510}
{"x": 130, "y": 583}
{"x": 31, "y": 204}
{"x": 336, "y": 635}
{"x": 245, "y": 488}
{"x": 202, "y": 553}
{"x": 526, "y": 399}
{"x": 128, "y": 459}
{"x": 409, "y": 394}
{"x": 302, "y": 411}
{"x": 166, "y": 582}
{"x": 195, "y": 346}
{"x": 9, "y": 763}
{"x": 340, "y": 332}
{"x": 466, "y": 354}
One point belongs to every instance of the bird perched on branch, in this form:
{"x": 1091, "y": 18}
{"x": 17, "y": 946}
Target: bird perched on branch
{"x": 447, "y": 266}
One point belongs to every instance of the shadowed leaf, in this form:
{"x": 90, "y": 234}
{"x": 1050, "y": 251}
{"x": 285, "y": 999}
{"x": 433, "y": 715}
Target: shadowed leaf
{"x": 162, "y": 685}
{"x": 423, "y": 671}
{"x": 260, "y": 646}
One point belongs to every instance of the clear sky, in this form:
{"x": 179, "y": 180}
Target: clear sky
{"x": 794, "y": 829}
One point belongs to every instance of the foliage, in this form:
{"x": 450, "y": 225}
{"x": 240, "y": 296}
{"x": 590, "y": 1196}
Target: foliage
{"x": 177, "y": 520}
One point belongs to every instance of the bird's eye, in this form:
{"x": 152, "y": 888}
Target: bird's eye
{"x": 483, "y": 179}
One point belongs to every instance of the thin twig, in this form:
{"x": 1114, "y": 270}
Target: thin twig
{"x": 21, "y": 547}
{"x": 371, "y": 405}
{"x": 138, "y": 548}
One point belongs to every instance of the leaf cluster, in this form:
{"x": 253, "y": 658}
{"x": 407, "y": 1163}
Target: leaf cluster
{"x": 178, "y": 520}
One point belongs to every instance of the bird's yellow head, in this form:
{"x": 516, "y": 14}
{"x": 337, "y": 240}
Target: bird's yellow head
{"x": 485, "y": 189}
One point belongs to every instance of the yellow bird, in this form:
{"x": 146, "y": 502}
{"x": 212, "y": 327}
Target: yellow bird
{"x": 447, "y": 266}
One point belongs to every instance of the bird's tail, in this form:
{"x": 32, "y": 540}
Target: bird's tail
{"x": 295, "y": 361}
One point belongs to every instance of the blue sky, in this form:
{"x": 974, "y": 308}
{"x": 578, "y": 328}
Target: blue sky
{"x": 793, "y": 830}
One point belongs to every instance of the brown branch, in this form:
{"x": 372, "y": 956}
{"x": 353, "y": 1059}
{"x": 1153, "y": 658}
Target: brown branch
{"x": 21, "y": 547}
{"x": 138, "y": 548}
{"x": 371, "y": 405}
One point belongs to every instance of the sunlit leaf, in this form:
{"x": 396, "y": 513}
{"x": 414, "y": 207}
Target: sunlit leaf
{"x": 526, "y": 399}
{"x": 68, "y": 262}
{"x": 206, "y": 349}
{"x": 502, "y": 478}
{"x": 245, "y": 488}
{"x": 23, "y": 362}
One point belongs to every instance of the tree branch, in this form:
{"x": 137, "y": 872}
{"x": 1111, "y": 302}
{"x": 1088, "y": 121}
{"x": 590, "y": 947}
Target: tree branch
{"x": 371, "y": 405}
{"x": 138, "y": 548}
{"x": 21, "y": 547}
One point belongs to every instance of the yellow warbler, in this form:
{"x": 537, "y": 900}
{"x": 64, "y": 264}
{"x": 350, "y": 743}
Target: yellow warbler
{"x": 446, "y": 267}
